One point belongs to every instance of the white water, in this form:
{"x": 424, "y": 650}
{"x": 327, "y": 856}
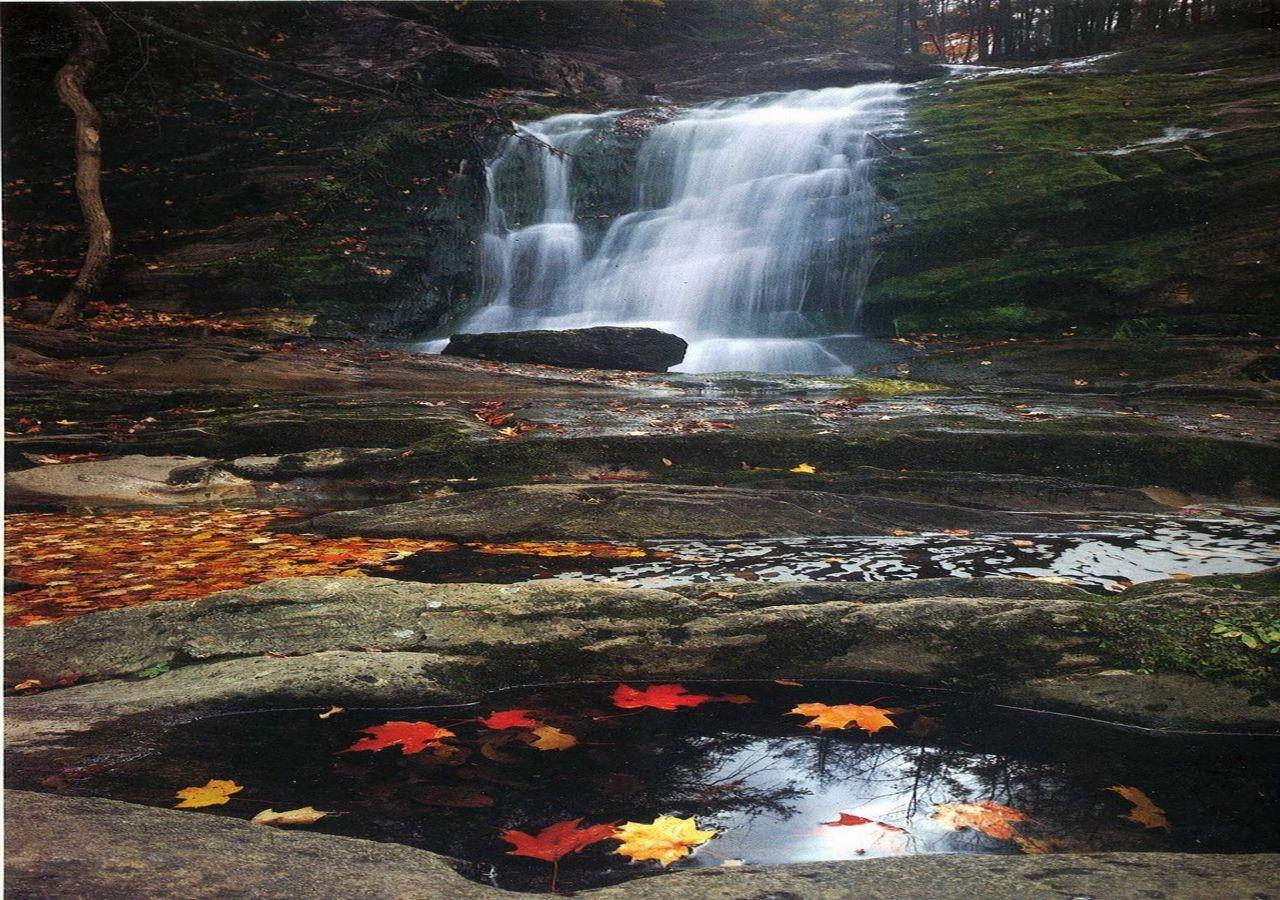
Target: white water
{"x": 749, "y": 234}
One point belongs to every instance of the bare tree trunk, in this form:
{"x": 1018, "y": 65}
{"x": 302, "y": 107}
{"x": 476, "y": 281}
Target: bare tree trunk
{"x": 91, "y": 47}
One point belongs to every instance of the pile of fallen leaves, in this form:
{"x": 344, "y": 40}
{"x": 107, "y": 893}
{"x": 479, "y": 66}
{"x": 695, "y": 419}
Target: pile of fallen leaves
{"x": 121, "y": 317}
{"x": 77, "y": 564}
{"x": 81, "y": 563}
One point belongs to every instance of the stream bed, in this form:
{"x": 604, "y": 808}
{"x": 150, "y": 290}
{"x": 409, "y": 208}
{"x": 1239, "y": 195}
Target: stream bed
{"x": 768, "y": 772}
{"x": 1107, "y": 553}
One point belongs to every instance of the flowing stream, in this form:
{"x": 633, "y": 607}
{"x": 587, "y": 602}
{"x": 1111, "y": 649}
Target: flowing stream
{"x": 745, "y": 227}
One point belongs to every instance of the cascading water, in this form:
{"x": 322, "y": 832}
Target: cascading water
{"x": 749, "y": 234}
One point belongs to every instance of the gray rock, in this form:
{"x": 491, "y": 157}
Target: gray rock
{"x": 647, "y": 511}
{"x": 65, "y": 847}
{"x": 1171, "y": 700}
{"x": 127, "y": 481}
{"x": 1019, "y": 638}
{"x": 633, "y": 349}
{"x": 329, "y": 462}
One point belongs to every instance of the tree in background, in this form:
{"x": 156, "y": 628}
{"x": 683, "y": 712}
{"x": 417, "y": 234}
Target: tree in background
{"x": 91, "y": 47}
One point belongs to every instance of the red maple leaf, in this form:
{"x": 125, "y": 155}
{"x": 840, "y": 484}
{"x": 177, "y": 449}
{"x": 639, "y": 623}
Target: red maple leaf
{"x": 510, "y": 718}
{"x": 556, "y": 841}
{"x": 657, "y": 696}
{"x": 410, "y": 737}
{"x": 851, "y": 819}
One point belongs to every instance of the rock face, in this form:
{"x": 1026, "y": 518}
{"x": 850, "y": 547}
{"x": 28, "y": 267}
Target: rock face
{"x": 772, "y": 65}
{"x": 651, "y": 511}
{"x": 128, "y": 481}
{"x": 87, "y": 847}
{"x": 1046, "y": 645}
{"x": 633, "y": 349}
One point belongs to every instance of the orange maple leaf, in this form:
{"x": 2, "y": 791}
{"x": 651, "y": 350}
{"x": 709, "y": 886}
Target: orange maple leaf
{"x": 986, "y": 816}
{"x": 869, "y": 718}
{"x": 1144, "y": 812}
{"x": 410, "y": 737}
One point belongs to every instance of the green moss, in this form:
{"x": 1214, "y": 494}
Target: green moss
{"x": 1177, "y": 639}
{"x": 1013, "y": 210}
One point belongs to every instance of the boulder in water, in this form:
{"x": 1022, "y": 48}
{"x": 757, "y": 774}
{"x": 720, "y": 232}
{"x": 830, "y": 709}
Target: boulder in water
{"x": 635, "y": 349}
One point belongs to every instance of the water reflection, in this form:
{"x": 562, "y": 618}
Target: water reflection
{"x": 751, "y": 771}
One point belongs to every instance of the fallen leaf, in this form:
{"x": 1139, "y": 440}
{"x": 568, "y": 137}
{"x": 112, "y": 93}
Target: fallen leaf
{"x": 410, "y": 737}
{"x": 302, "y": 816}
{"x": 986, "y": 816}
{"x": 657, "y": 696}
{"x": 510, "y": 718}
{"x": 453, "y": 797}
{"x": 784, "y": 681}
{"x": 665, "y": 839}
{"x": 805, "y": 469}
{"x": 215, "y": 793}
{"x": 667, "y": 462}
{"x": 851, "y": 819}
{"x": 1144, "y": 812}
{"x": 1035, "y": 846}
{"x": 923, "y": 726}
{"x": 552, "y": 738}
{"x": 556, "y": 841}
{"x": 869, "y": 718}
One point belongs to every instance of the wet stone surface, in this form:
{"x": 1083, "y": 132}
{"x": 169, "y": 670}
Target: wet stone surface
{"x": 1097, "y": 552}
{"x": 732, "y": 756}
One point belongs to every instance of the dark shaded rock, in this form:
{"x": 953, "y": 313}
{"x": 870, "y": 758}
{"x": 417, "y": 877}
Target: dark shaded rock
{"x": 644, "y": 511}
{"x": 771, "y": 65}
{"x": 87, "y": 847}
{"x": 329, "y": 461}
{"x": 633, "y": 349}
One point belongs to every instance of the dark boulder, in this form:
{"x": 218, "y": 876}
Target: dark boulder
{"x": 635, "y": 349}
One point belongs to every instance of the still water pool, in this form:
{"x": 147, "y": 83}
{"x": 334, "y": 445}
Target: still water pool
{"x": 911, "y": 771}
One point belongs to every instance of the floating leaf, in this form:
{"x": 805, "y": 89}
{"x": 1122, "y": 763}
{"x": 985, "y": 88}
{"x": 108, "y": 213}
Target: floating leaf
{"x": 869, "y": 718}
{"x": 215, "y": 793}
{"x": 510, "y": 718}
{"x": 657, "y": 696}
{"x": 551, "y": 738}
{"x": 555, "y": 842}
{"x": 1036, "y": 846}
{"x": 986, "y": 816}
{"x": 410, "y": 737}
{"x": 849, "y": 819}
{"x": 305, "y": 815}
{"x": 1144, "y": 812}
{"x": 455, "y": 797}
{"x": 665, "y": 839}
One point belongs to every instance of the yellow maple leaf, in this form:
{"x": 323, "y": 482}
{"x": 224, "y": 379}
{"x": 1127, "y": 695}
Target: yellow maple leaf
{"x": 665, "y": 839}
{"x": 804, "y": 469}
{"x": 215, "y": 793}
{"x": 302, "y": 816}
{"x": 869, "y": 718}
{"x": 986, "y": 816}
{"x": 1144, "y": 811}
{"x": 552, "y": 738}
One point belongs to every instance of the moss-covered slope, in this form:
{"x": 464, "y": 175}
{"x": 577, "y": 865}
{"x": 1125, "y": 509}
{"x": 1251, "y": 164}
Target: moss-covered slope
{"x": 1141, "y": 193}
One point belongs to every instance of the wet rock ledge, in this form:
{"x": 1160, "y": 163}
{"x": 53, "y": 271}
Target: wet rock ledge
{"x": 79, "y": 847}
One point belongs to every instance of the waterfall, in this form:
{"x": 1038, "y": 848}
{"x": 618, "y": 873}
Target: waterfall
{"x": 748, "y": 231}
